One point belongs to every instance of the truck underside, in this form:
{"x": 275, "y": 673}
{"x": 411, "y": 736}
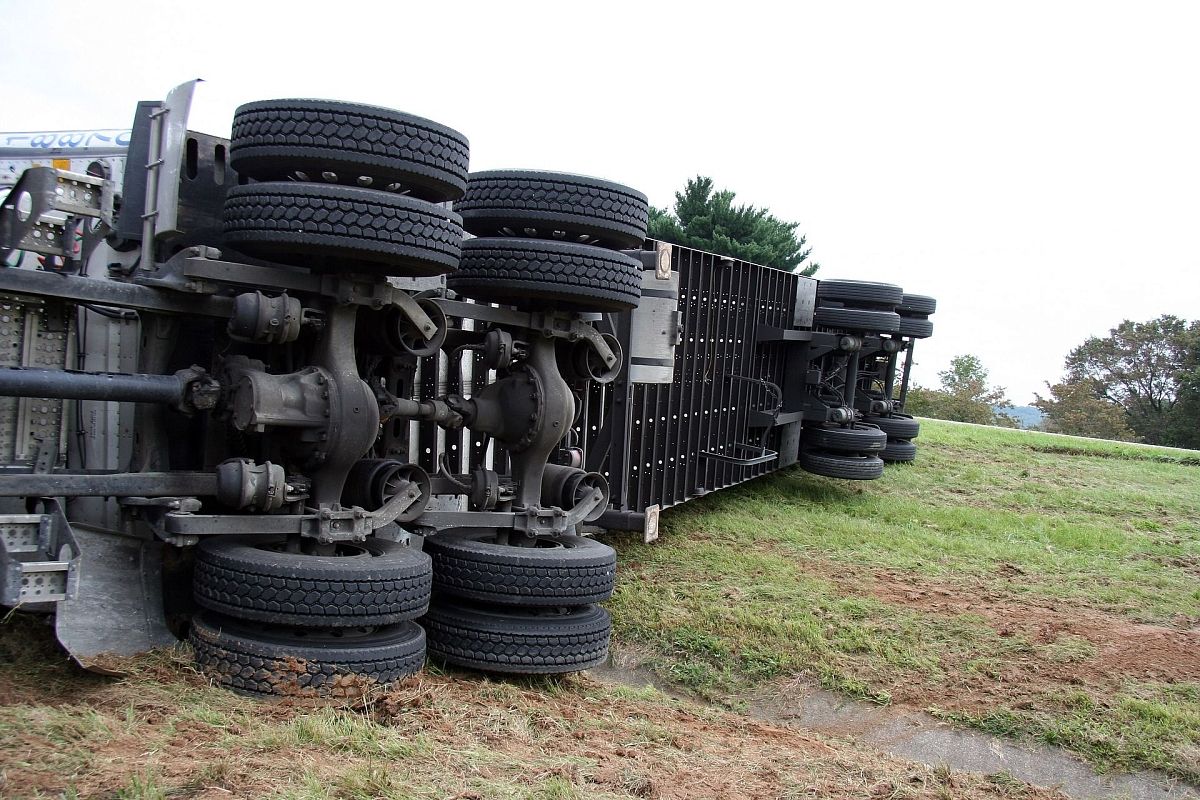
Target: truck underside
{"x": 264, "y": 393}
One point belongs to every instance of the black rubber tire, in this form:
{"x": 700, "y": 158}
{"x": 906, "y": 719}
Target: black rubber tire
{"x": 840, "y": 465}
{"x": 327, "y": 227}
{"x": 518, "y": 640}
{"x": 565, "y": 571}
{"x": 554, "y": 205}
{"x": 897, "y": 426}
{"x": 857, "y": 320}
{"x": 860, "y": 292}
{"x": 387, "y": 583}
{"x": 917, "y": 304}
{"x": 269, "y": 660}
{"x": 915, "y": 328}
{"x": 856, "y": 438}
{"x": 899, "y": 451}
{"x": 538, "y": 273}
{"x": 275, "y": 139}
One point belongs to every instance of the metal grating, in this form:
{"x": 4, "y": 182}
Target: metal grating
{"x": 667, "y": 429}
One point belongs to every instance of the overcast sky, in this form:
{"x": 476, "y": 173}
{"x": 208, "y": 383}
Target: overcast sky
{"x": 1035, "y": 166}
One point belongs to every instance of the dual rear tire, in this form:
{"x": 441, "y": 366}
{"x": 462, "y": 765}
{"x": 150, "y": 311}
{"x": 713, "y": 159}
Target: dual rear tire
{"x": 276, "y": 622}
{"x": 508, "y": 609}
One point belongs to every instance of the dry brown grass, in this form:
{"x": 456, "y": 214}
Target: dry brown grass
{"x": 162, "y": 731}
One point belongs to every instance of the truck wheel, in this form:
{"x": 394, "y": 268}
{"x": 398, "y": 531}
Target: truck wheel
{"x": 838, "y": 465}
{"x": 857, "y": 320}
{"x": 899, "y": 451}
{"x": 350, "y": 144}
{"x": 554, "y": 205}
{"x": 897, "y": 426}
{"x": 860, "y": 293}
{"x": 270, "y": 660}
{"x": 537, "y": 272}
{"x": 916, "y": 304}
{"x": 540, "y": 641}
{"x": 558, "y": 571}
{"x": 915, "y": 328}
{"x": 856, "y": 438}
{"x": 376, "y": 582}
{"x": 342, "y": 228}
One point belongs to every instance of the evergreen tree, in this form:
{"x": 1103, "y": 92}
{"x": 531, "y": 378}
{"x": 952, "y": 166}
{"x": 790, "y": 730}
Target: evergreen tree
{"x": 709, "y": 220}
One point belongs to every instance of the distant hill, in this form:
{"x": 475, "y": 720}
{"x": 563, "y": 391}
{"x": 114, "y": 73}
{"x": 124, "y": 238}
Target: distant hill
{"x": 1027, "y": 416}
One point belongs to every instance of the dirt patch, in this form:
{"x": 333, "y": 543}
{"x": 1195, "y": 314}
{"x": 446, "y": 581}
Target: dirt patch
{"x": 454, "y": 735}
{"x": 1070, "y": 646}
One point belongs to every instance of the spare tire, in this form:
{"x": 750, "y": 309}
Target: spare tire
{"x": 535, "y": 641}
{"x": 538, "y": 273}
{"x": 350, "y": 144}
{"x": 554, "y": 205}
{"x": 375, "y": 582}
{"x": 260, "y": 659}
{"x": 559, "y": 570}
{"x": 342, "y": 228}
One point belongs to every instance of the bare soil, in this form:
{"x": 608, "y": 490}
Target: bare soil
{"x": 1116, "y": 650}
{"x": 62, "y": 729}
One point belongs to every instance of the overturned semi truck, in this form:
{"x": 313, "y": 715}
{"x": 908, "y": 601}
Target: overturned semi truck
{"x": 265, "y": 394}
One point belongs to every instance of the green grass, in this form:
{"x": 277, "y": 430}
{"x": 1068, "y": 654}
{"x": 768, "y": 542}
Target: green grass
{"x": 774, "y": 578}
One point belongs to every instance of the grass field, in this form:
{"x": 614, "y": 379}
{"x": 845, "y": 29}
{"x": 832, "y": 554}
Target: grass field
{"x": 162, "y": 732}
{"x": 1020, "y": 583}
{"x": 1027, "y": 585}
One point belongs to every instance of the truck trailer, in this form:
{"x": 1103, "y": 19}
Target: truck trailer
{"x": 320, "y": 400}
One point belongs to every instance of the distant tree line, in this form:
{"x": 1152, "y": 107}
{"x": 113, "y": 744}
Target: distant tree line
{"x": 964, "y": 396}
{"x": 1139, "y": 383}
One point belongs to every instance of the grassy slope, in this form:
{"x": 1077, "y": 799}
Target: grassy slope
{"x": 999, "y": 581}
{"x": 162, "y": 732}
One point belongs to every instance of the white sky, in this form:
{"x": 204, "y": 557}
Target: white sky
{"x": 1035, "y": 166}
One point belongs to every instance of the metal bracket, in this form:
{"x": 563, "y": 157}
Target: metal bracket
{"x": 748, "y": 459}
{"x": 45, "y": 208}
{"x": 39, "y": 557}
{"x": 662, "y": 263}
{"x": 325, "y": 524}
{"x": 168, "y": 136}
{"x": 549, "y": 324}
{"x": 198, "y": 269}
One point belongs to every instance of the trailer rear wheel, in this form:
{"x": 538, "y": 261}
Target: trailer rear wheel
{"x": 860, "y": 292}
{"x": 271, "y": 660}
{"x": 375, "y": 582}
{"x": 917, "y": 304}
{"x": 559, "y": 570}
{"x": 856, "y": 438}
{"x": 857, "y": 320}
{"x": 536, "y": 273}
{"x": 339, "y": 228}
{"x": 839, "y": 465}
{"x": 533, "y": 641}
{"x": 897, "y": 426}
{"x": 915, "y": 328}
{"x": 554, "y": 205}
{"x": 349, "y": 144}
{"x": 899, "y": 451}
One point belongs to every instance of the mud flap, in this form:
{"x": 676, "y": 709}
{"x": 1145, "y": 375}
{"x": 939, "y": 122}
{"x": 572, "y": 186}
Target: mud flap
{"x": 118, "y": 606}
